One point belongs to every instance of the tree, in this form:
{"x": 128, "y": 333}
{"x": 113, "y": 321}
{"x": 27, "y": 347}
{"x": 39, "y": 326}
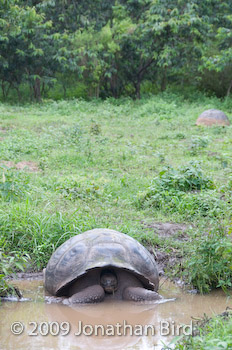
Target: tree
{"x": 28, "y": 50}
{"x": 179, "y": 31}
{"x": 136, "y": 55}
{"x": 10, "y": 73}
{"x": 113, "y": 46}
{"x": 218, "y": 56}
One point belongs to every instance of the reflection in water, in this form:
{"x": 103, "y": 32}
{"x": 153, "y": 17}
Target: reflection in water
{"x": 105, "y": 314}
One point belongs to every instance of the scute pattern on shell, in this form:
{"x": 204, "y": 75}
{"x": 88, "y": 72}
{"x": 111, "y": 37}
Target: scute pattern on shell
{"x": 213, "y": 117}
{"x": 96, "y": 249}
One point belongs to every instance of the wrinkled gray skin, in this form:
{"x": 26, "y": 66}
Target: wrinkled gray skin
{"x": 115, "y": 283}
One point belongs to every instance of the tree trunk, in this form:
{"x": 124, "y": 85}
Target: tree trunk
{"x": 18, "y": 93}
{"x": 3, "y": 91}
{"x": 64, "y": 90}
{"x": 114, "y": 86}
{"x": 139, "y": 77}
{"x": 43, "y": 90}
{"x": 31, "y": 92}
{"x": 36, "y": 88}
{"x": 137, "y": 85}
{"x": 229, "y": 89}
{"x": 164, "y": 80}
{"x": 97, "y": 91}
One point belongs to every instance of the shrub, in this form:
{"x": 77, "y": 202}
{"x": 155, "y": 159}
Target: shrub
{"x": 197, "y": 143}
{"x": 185, "y": 178}
{"x": 9, "y": 264}
{"x": 74, "y": 134}
{"x": 186, "y": 191}
{"x": 209, "y": 263}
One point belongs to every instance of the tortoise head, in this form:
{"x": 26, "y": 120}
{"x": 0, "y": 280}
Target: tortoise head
{"x": 108, "y": 281}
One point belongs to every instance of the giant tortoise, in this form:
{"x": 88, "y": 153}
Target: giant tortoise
{"x": 213, "y": 117}
{"x": 102, "y": 264}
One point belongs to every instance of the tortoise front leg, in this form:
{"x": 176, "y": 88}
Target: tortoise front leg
{"x": 140, "y": 294}
{"x": 92, "y": 294}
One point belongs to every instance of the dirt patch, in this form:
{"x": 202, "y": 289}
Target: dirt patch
{"x": 23, "y": 165}
{"x": 3, "y": 130}
{"x": 171, "y": 259}
{"x": 32, "y": 166}
{"x": 219, "y": 140}
{"x": 213, "y": 154}
{"x": 7, "y": 163}
{"x": 167, "y": 261}
{"x": 168, "y": 229}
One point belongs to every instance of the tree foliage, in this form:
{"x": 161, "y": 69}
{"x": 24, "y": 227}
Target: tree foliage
{"x": 112, "y": 48}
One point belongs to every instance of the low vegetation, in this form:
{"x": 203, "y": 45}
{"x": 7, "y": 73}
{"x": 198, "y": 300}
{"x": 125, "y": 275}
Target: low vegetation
{"x": 210, "y": 333}
{"x": 67, "y": 167}
{"x": 8, "y": 265}
{"x": 133, "y": 166}
{"x": 186, "y": 191}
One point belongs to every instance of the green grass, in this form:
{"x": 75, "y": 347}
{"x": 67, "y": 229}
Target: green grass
{"x": 8, "y": 264}
{"x": 101, "y": 164}
{"x": 214, "y": 333}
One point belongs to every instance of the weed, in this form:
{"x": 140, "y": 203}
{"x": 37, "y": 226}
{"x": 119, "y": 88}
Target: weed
{"x": 95, "y": 128}
{"x": 161, "y": 157}
{"x": 74, "y": 134}
{"x": 183, "y": 179}
{"x": 10, "y": 263}
{"x": 209, "y": 263}
{"x": 185, "y": 190}
{"x": 180, "y": 136}
{"x": 73, "y": 190}
{"x": 13, "y": 184}
{"x": 197, "y": 143}
{"x": 186, "y": 178}
{"x": 214, "y": 333}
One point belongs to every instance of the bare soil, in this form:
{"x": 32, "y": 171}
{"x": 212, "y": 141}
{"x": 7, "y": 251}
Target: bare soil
{"x": 2, "y": 130}
{"x": 23, "y": 165}
{"x": 171, "y": 260}
{"x": 168, "y": 229}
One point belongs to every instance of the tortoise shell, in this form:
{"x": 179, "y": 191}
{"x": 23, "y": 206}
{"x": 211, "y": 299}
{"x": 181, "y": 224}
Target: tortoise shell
{"x": 213, "y": 117}
{"x": 99, "y": 248}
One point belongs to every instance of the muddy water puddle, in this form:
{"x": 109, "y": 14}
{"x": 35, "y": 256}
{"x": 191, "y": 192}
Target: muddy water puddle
{"x": 118, "y": 325}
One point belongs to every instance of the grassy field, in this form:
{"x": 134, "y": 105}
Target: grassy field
{"x": 70, "y": 166}
{"x": 140, "y": 167}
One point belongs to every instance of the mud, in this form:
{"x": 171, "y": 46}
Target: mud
{"x": 173, "y": 258}
{"x": 29, "y": 276}
{"x": 36, "y": 316}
